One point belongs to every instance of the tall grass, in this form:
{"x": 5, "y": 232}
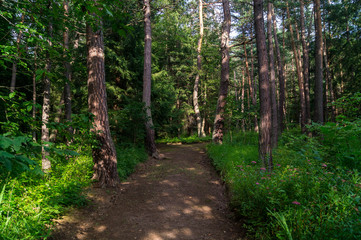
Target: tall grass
{"x": 308, "y": 195}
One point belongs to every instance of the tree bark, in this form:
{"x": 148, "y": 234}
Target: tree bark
{"x": 45, "y": 163}
{"x": 318, "y": 66}
{"x": 265, "y": 150}
{"x": 330, "y": 92}
{"x": 218, "y": 129}
{"x": 254, "y": 96}
{"x": 299, "y": 75}
{"x": 242, "y": 100}
{"x": 306, "y": 63}
{"x": 15, "y": 63}
{"x": 67, "y": 66}
{"x": 199, "y": 68}
{"x": 251, "y": 87}
{"x": 281, "y": 76}
{"x": 147, "y": 82}
{"x": 34, "y": 92}
{"x": 274, "y": 129}
{"x": 104, "y": 155}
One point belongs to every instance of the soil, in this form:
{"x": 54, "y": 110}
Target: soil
{"x": 177, "y": 197}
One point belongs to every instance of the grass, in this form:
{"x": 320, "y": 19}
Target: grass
{"x": 29, "y": 202}
{"x": 308, "y": 195}
{"x": 187, "y": 140}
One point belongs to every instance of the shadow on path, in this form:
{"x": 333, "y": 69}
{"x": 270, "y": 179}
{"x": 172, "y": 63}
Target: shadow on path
{"x": 178, "y": 197}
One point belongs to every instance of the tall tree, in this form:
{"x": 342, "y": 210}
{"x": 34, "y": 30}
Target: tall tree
{"x": 15, "y": 63}
{"x": 281, "y": 76}
{"x": 104, "y": 155}
{"x": 306, "y": 62}
{"x": 265, "y": 150}
{"x": 274, "y": 128}
{"x": 218, "y": 128}
{"x": 45, "y": 163}
{"x": 67, "y": 92}
{"x": 199, "y": 68}
{"x": 299, "y": 74}
{"x": 318, "y": 65}
{"x": 147, "y": 82}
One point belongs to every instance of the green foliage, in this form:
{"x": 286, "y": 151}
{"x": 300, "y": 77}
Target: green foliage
{"x": 128, "y": 158}
{"x": 190, "y": 139}
{"x": 307, "y": 195}
{"x": 29, "y": 202}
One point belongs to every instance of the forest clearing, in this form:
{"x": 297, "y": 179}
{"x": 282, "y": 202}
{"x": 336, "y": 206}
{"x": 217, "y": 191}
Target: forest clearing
{"x": 180, "y": 119}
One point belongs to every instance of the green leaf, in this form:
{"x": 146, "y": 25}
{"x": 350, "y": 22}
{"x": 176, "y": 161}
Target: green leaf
{"x": 11, "y": 95}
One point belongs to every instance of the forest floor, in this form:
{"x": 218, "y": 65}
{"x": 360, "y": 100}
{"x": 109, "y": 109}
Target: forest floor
{"x": 178, "y": 197}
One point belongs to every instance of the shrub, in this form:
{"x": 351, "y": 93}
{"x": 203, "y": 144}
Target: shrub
{"x": 306, "y": 196}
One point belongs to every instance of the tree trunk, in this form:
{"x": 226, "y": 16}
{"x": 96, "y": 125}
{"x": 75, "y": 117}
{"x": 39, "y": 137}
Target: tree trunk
{"x": 330, "y": 91}
{"x": 253, "y": 86}
{"x": 265, "y": 150}
{"x": 218, "y": 129}
{"x": 242, "y": 101}
{"x": 281, "y": 76}
{"x": 306, "y": 63}
{"x": 199, "y": 68}
{"x": 299, "y": 75}
{"x": 318, "y": 66}
{"x": 274, "y": 129}
{"x": 147, "y": 82}
{"x": 45, "y": 163}
{"x": 67, "y": 66}
{"x": 59, "y": 110}
{"x": 34, "y": 92}
{"x": 104, "y": 155}
{"x": 15, "y": 63}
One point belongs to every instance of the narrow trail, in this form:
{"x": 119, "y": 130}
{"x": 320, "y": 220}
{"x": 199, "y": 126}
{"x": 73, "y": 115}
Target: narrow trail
{"x": 178, "y": 197}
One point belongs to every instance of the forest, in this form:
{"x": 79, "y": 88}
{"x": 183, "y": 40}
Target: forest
{"x": 90, "y": 89}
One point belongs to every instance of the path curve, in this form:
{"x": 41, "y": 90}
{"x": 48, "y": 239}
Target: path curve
{"x": 178, "y": 197}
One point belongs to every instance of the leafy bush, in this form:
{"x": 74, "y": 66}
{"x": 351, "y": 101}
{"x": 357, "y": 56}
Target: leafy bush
{"x": 306, "y": 196}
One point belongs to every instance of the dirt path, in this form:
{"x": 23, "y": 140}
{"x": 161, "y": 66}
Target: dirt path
{"x": 178, "y": 197}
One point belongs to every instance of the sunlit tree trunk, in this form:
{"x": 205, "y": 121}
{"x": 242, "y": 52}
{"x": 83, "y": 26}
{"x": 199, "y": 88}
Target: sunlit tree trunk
{"x": 299, "y": 75}
{"x": 281, "y": 76}
{"x": 15, "y": 63}
{"x": 218, "y": 129}
{"x": 318, "y": 66}
{"x": 147, "y": 82}
{"x": 45, "y": 163}
{"x": 199, "y": 68}
{"x": 265, "y": 150}
{"x": 104, "y": 155}
{"x": 274, "y": 128}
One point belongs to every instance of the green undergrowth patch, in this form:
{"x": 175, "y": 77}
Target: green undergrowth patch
{"x": 187, "y": 140}
{"x": 128, "y": 158}
{"x": 312, "y": 193}
{"x": 29, "y": 202}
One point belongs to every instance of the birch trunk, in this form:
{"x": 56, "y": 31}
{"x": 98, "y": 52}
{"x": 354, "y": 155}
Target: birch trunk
{"x": 199, "y": 68}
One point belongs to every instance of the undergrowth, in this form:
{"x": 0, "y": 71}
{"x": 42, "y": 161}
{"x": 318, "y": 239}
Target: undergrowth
{"x": 313, "y": 192}
{"x": 188, "y": 140}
